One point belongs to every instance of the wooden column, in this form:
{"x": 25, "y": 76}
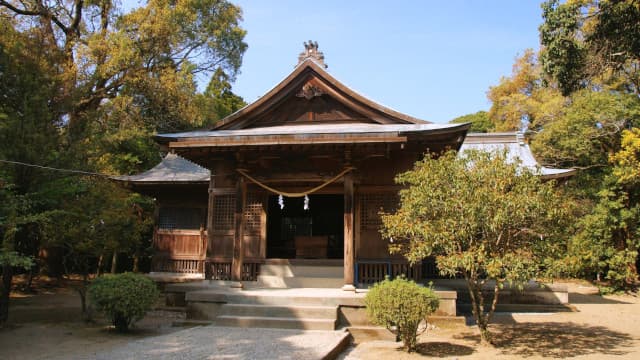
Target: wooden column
{"x": 349, "y": 255}
{"x": 238, "y": 236}
{"x": 210, "y": 211}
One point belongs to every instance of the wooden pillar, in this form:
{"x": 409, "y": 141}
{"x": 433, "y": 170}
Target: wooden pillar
{"x": 238, "y": 235}
{"x": 349, "y": 255}
{"x": 210, "y": 212}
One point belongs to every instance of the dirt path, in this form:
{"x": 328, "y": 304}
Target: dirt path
{"x": 48, "y": 325}
{"x": 603, "y": 327}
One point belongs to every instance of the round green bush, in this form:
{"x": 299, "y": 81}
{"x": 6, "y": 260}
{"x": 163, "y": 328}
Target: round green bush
{"x": 401, "y": 305}
{"x": 124, "y": 298}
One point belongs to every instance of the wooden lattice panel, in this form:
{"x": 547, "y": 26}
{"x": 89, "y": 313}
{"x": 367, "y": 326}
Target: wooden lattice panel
{"x": 224, "y": 210}
{"x": 372, "y": 204}
{"x": 253, "y": 214}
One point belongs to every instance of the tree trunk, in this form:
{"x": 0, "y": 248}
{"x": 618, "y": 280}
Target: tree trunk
{"x": 82, "y": 291}
{"x": 136, "y": 262}
{"x": 100, "y": 265}
{"x": 477, "y": 308}
{"x": 5, "y": 291}
{"x": 114, "y": 262}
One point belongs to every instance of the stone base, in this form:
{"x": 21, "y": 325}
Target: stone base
{"x": 348, "y": 287}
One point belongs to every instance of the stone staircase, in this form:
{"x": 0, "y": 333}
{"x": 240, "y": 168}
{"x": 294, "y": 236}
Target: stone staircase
{"x": 306, "y": 317}
{"x": 262, "y": 309}
{"x": 281, "y": 276}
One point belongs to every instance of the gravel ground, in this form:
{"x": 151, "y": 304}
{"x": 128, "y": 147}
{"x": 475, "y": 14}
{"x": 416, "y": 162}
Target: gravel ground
{"x": 212, "y": 342}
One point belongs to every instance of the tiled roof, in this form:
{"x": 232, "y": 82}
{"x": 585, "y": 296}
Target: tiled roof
{"x": 172, "y": 169}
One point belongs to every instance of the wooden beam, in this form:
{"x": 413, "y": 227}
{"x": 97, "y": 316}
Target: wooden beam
{"x": 288, "y": 140}
{"x": 238, "y": 234}
{"x": 349, "y": 255}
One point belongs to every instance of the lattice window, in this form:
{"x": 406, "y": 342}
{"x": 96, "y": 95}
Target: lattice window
{"x": 185, "y": 218}
{"x": 223, "y": 213}
{"x": 372, "y": 204}
{"x": 253, "y": 214}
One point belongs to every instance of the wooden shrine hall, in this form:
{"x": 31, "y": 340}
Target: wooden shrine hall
{"x": 297, "y": 177}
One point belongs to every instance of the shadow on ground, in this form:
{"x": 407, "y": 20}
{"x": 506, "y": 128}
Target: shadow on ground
{"x": 443, "y": 349}
{"x": 575, "y": 298}
{"x": 555, "y": 339}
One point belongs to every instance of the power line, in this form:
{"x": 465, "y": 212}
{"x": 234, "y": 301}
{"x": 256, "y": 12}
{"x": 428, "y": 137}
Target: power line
{"x": 80, "y": 172}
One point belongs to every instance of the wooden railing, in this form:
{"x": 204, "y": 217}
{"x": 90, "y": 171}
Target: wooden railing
{"x": 371, "y": 271}
{"x": 179, "y": 251}
{"x": 221, "y": 270}
{"x": 162, "y": 264}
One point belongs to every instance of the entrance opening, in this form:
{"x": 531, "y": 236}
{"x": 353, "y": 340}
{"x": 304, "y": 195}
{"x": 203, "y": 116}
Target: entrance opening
{"x": 316, "y": 233}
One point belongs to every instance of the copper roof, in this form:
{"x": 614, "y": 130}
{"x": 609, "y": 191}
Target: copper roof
{"x": 517, "y": 150}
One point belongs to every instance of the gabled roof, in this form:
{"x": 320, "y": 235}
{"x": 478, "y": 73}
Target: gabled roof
{"x": 311, "y": 107}
{"x": 172, "y": 169}
{"x": 309, "y": 79}
{"x": 310, "y": 134}
{"x": 516, "y": 148}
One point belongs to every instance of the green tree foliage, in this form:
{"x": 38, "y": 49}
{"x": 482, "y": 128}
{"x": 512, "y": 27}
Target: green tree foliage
{"x": 124, "y": 298}
{"x": 401, "y": 306}
{"x": 590, "y": 43}
{"x": 480, "y": 122}
{"x": 12, "y": 220}
{"x": 581, "y": 130}
{"x": 85, "y": 85}
{"x": 218, "y": 100}
{"x": 588, "y": 130}
{"x": 522, "y": 100}
{"x": 483, "y": 218}
{"x": 150, "y": 54}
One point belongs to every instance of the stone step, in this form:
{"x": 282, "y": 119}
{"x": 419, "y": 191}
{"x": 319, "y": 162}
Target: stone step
{"x": 302, "y": 312}
{"x": 286, "y": 270}
{"x": 280, "y": 282}
{"x": 284, "y": 300}
{"x": 276, "y": 322}
{"x": 191, "y": 323}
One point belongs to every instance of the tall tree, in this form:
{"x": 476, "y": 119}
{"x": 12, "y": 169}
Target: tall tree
{"x": 523, "y": 100}
{"x": 592, "y": 43}
{"x": 485, "y": 219}
{"x": 85, "y": 85}
{"x": 149, "y": 55}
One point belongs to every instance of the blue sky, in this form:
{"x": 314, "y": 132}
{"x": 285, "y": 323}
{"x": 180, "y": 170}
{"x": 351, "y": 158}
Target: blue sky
{"x": 434, "y": 60}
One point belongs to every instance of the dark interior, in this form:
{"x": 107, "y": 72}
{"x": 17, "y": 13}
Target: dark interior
{"x": 318, "y": 232}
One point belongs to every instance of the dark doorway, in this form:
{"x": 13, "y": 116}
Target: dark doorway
{"x": 316, "y": 233}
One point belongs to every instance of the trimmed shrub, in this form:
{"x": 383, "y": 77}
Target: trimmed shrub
{"x": 401, "y": 306}
{"x": 124, "y": 298}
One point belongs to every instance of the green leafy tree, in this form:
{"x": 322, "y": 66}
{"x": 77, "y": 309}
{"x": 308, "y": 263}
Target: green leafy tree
{"x": 218, "y": 100}
{"x": 592, "y": 43}
{"x": 85, "y": 86}
{"x": 12, "y": 221}
{"x": 480, "y": 122}
{"x": 401, "y": 306}
{"x": 96, "y": 218}
{"x": 149, "y": 54}
{"x": 484, "y": 219}
{"x": 522, "y": 100}
{"x": 588, "y": 131}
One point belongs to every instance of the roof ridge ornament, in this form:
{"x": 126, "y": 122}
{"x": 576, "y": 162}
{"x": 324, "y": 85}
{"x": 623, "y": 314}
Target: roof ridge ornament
{"x": 311, "y": 52}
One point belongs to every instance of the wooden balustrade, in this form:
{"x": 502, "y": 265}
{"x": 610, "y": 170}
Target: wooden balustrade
{"x": 371, "y": 271}
{"x": 162, "y": 264}
{"x": 221, "y": 270}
